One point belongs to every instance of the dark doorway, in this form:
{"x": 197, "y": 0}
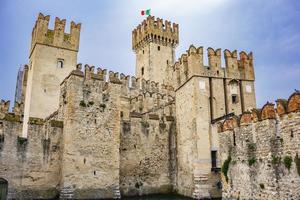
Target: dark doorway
{"x": 3, "y": 189}
{"x": 213, "y": 159}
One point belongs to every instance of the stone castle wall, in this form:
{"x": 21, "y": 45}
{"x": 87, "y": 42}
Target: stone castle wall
{"x": 31, "y": 166}
{"x": 261, "y": 151}
{"x": 91, "y": 137}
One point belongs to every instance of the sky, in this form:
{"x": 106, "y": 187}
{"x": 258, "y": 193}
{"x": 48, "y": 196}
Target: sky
{"x": 270, "y": 29}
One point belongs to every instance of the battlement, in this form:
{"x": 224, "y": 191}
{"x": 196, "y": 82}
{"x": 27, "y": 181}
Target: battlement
{"x": 130, "y": 83}
{"x": 4, "y": 108}
{"x": 267, "y": 112}
{"x": 191, "y": 63}
{"x": 151, "y": 30}
{"x": 41, "y": 34}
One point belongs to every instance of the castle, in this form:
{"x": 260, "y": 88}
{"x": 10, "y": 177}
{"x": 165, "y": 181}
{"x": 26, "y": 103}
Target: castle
{"x": 79, "y": 134}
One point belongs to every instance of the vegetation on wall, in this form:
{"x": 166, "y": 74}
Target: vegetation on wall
{"x": 252, "y": 146}
{"x": 82, "y": 103}
{"x": 288, "y": 162}
{"x": 276, "y": 160}
{"x": 251, "y": 161}
{"x": 225, "y": 167}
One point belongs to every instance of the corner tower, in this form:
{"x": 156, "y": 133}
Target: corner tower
{"x": 53, "y": 55}
{"x": 154, "y": 43}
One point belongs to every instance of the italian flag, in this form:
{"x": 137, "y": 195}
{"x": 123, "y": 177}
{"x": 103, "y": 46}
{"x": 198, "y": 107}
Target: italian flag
{"x": 145, "y": 12}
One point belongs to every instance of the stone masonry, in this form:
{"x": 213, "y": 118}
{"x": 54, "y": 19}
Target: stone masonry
{"x": 260, "y": 152}
{"x": 81, "y": 132}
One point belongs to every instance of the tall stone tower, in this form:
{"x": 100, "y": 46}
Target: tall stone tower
{"x": 53, "y": 55}
{"x": 154, "y": 43}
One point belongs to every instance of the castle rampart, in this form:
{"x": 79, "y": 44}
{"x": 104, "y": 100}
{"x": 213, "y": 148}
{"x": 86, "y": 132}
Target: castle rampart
{"x": 263, "y": 146}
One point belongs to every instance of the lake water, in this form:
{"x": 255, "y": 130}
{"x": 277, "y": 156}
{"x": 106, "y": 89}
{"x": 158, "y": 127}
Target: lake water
{"x": 158, "y": 197}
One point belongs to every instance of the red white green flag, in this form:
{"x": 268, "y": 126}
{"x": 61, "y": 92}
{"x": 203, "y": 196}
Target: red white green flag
{"x": 146, "y": 12}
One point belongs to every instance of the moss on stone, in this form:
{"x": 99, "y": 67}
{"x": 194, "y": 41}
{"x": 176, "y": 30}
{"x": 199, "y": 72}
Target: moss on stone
{"x": 276, "y": 160}
{"x": 22, "y": 141}
{"x": 36, "y": 121}
{"x": 225, "y": 167}
{"x": 251, "y": 161}
{"x": 58, "y": 124}
{"x": 82, "y": 103}
{"x": 287, "y": 161}
{"x": 252, "y": 146}
{"x": 12, "y": 117}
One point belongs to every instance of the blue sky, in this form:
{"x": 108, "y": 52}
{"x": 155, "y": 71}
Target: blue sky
{"x": 271, "y": 29}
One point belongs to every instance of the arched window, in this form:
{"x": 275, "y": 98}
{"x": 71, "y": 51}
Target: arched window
{"x": 60, "y": 63}
{"x": 3, "y": 188}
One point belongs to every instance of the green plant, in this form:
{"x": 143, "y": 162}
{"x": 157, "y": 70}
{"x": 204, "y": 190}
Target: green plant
{"x": 281, "y": 141}
{"x": 297, "y": 162}
{"x": 225, "y": 167}
{"x": 288, "y": 162}
{"x": 22, "y": 140}
{"x": 145, "y": 124}
{"x": 251, "y": 161}
{"x": 262, "y": 186}
{"x": 252, "y": 146}
{"x": 276, "y": 160}
{"x": 82, "y": 103}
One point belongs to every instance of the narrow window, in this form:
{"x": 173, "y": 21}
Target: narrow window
{"x": 167, "y": 62}
{"x": 143, "y": 51}
{"x": 158, "y": 48}
{"x": 142, "y": 71}
{"x": 234, "y": 143}
{"x": 234, "y": 98}
{"x": 60, "y": 63}
{"x": 213, "y": 159}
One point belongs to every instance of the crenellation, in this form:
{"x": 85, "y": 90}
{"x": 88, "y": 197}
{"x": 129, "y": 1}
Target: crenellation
{"x": 281, "y": 106}
{"x": 59, "y": 31}
{"x": 214, "y": 58}
{"x": 245, "y": 65}
{"x": 18, "y": 108}
{"x": 4, "y": 108}
{"x": 259, "y": 147}
{"x": 231, "y": 63}
{"x": 156, "y": 31}
{"x": 41, "y": 34}
{"x": 268, "y": 111}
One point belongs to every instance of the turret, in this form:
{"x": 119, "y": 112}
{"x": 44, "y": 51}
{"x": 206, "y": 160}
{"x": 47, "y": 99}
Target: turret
{"x": 58, "y": 37}
{"x": 151, "y": 30}
{"x": 52, "y": 56}
{"x": 154, "y": 43}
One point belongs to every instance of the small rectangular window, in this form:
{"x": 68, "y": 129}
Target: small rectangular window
{"x": 142, "y": 71}
{"x": 234, "y": 98}
{"x": 158, "y": 48}
{"x": 60, "y": 63}
{"x": 213, "y": 159}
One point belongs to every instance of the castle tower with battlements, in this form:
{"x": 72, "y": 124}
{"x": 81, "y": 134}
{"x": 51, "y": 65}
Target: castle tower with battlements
{"x": 52, "y": 56}
{"x": 154, "y": 43}
{"x": 98, "y": 134}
